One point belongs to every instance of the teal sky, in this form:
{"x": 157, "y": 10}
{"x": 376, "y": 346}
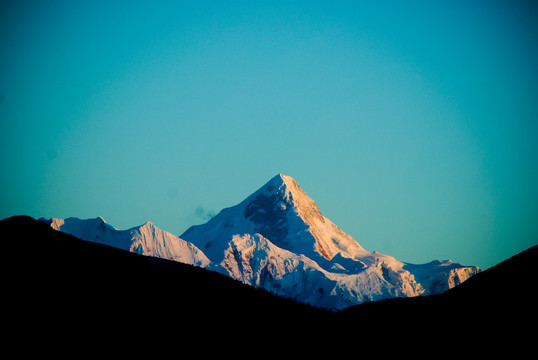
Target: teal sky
{"x": 412, "y": 124}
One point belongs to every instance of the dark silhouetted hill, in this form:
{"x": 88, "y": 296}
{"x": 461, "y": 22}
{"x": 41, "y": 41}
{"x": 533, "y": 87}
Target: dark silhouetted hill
{"x": 494, "y": 311}
{"x": 64, "y": 289}
{"x": 65, "y": 296}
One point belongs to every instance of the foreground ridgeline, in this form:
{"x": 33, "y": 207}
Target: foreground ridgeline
{"x": 68, "y": 297}
{"x": 278, "y": 240}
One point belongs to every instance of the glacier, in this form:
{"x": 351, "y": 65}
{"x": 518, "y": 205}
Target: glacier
{"x": 277, "y": 239}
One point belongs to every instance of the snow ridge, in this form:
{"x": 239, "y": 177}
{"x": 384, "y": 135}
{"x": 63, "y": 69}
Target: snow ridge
{"x": 146, "y": 239}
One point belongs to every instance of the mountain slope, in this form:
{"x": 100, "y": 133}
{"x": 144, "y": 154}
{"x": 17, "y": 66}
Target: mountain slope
{"x": 146, "y": 239}
{"x": 254, "y": 260}
{"x": 280, "y": 213}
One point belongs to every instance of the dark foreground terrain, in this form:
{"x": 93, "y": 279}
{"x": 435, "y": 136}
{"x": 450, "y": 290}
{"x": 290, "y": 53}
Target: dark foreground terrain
{"x": 66, "y": 296}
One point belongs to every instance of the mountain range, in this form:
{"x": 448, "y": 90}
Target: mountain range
{"x": 278, "y": 240}
{"x": 66, "y": 297}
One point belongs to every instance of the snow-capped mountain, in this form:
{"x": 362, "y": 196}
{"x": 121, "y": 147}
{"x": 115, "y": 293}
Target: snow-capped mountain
{"x": 277, "y": 239}
{"x": 295, "y": 251}
{"x": 146, "y": 239}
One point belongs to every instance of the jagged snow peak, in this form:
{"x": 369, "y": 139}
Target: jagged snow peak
{"x": 278, "y": 239}
{"x": 146, "y": 239}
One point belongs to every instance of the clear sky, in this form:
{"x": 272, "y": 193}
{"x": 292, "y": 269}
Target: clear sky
{"x": 412, "y": 124}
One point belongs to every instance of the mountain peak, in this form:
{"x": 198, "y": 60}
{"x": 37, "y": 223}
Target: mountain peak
{"x": 281, "y": 176}
{"x": 279, "y": 181}
{"x": 285, "y": 179}
{"x": 148, "y": 224}
{"x": 284, "y": 214}
{"x": 282, "y": 193}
